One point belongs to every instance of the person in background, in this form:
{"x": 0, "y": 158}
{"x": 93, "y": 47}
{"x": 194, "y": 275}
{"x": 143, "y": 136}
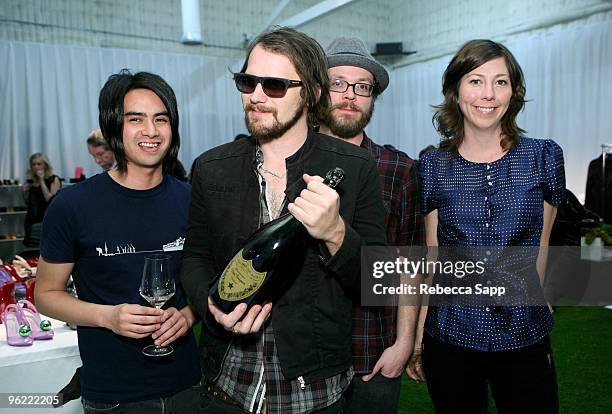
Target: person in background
{"x": 489, "y": 185}
{"x": 100, "y": 231}
{"x": 100, "y": 150}
{"x": 383, "y": 337}
{"x": 594, "y": 191}
{"x": 40, "y": 187}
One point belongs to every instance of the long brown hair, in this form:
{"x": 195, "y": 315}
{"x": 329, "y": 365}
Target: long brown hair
{"x": 309, "y": 61}
{"x": 448, "y": 118}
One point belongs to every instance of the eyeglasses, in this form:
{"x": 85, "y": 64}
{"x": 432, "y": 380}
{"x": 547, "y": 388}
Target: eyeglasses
{"x": 361, "y": 89}
{"x": 273, "y": 87}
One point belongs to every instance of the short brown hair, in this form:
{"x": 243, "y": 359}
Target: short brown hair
{"x": 448, "y": 119}
{"x": 309, "y": 61}
{"x": 95, "y": 139}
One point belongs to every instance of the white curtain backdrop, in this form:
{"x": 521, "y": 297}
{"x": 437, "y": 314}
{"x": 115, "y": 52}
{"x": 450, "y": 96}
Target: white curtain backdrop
{"x": 49, "y": 101}
{"x": 49, "y": 93}
{"x": 568, "y": 87}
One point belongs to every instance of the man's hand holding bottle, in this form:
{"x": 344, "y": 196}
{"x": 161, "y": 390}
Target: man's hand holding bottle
{"x": 234, "y": 321}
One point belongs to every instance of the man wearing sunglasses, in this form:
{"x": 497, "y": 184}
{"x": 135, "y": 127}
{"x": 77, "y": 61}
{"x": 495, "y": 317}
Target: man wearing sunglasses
{"x": 292, "y": 356}
{"x": 382, "y": 336}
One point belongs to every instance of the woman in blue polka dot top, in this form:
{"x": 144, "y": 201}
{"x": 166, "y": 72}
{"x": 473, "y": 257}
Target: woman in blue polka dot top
{"x": 488, "y": 185}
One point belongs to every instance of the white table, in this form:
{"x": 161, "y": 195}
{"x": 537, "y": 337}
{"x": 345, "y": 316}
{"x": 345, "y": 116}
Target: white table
{"x": 44, "y": 367}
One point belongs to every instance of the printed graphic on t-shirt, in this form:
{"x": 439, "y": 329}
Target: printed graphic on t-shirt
{"x": 129, "y": 248}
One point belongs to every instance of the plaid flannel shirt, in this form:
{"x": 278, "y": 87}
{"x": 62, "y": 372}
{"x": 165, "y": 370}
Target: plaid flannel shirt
{"x": 374, "y": 328}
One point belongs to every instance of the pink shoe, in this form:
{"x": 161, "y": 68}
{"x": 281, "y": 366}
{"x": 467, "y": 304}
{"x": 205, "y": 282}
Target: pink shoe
{"x": 41, "y": 329}
{"x": 18, "y": 332}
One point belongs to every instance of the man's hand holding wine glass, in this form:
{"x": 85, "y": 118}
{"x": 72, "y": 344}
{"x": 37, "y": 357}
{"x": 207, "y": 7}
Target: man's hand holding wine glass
{"x": 317, "y": 208}
{"x": 133, "y": 321}
{"x": 136, "y": 321}
{"x": 175, "y": 323}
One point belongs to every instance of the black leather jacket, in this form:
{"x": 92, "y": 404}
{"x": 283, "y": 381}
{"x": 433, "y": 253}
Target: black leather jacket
{"x": 312, "y": 320}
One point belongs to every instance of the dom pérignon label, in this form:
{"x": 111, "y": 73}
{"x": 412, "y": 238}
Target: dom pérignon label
{"x": 262, "y": 269}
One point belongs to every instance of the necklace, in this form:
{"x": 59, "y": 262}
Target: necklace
{"x": 273, "y": 174}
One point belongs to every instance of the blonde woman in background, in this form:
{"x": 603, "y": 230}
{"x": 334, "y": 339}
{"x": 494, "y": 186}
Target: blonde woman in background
{"x": 38, "y": 191}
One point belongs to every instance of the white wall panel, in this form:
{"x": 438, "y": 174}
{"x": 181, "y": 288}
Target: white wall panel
{"x": 432, "y": 27}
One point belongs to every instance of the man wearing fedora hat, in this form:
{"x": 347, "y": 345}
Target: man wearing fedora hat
{"x": 383, "y": 337}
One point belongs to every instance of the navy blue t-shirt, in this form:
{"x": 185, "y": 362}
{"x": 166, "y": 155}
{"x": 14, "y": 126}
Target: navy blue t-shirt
{"x": 107, "y": 230}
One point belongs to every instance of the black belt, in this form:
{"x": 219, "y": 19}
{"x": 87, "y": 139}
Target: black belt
{"x": 216, "y": 391}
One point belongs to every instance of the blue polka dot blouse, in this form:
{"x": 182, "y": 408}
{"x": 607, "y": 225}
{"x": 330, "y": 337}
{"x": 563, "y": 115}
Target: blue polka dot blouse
{"x": 492, "y": 204}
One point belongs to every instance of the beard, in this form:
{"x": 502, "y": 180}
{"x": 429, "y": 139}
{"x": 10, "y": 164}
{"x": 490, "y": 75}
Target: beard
{"x": 348, "y": 128}
{"x": 277, "y": 129}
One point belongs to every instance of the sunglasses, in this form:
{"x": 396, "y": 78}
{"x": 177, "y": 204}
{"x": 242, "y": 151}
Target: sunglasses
{"x": 273, "y": 87}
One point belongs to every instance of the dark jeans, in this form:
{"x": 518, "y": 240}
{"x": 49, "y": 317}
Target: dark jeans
{"x": 213, "y": 405}
{"x": 379, "y": 395}
{"x": 522, "y": 381}
{"x": 183, "y": 402}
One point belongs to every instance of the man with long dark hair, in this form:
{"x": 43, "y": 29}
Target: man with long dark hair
{"x": 293, "y": 356}
{"x": 100, "y": 231}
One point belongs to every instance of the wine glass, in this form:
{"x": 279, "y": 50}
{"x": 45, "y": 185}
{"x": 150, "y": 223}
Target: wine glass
{"x": 157, "y": 287}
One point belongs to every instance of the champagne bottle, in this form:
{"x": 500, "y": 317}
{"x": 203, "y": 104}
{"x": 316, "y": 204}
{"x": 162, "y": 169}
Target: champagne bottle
{"x": 264, "y": 268}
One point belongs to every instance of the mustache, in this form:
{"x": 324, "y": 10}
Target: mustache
{"x": 347, "y": 105}
{"x": 259, "y": 108}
